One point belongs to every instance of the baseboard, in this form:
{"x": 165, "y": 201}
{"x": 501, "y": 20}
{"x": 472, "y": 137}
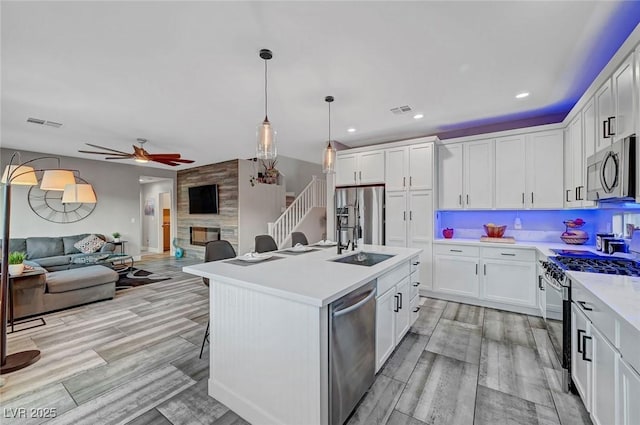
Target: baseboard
{"x": 532, "y": 311}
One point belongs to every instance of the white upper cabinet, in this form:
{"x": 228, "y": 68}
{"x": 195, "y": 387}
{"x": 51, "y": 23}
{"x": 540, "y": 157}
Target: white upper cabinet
{"x": 544, "y": 162}
{"x": 396, "y": 168}
{"x": 371, "y": 167}
{"x": 478, "y": 174}
{"x": 625, "y": 104}
{"x": 347, "y": 169}
{"x": 450, "y": 174}
{"x": 360, "y": 168}
{"x": 409, "y": 167}
{"x": 589, "y": 135}
{"x": 510, "y": 172}
{"x": 421, "y": 166}
{"x": 396, "y": 218}
{"x": 604, "y": 107}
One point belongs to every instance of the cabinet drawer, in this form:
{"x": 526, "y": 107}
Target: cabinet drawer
{"x": 415, "y": 263}
{"x": 597, "y": 312}
{"x": 463, "y": 250}
{"x": 509, "y": 254}
{"x": 415, "y": 308}
{"x": 630, "y": 345}
{"x": 392, "y": 277}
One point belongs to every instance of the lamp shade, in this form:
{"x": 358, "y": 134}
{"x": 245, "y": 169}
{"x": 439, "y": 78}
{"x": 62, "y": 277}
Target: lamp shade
{"x": 19, "y": 175}
{"x": 57, "y": 179}
{"x": 329, "y": 160}
{"x": 266, "y": 148}
{"x": 79, "y": 193}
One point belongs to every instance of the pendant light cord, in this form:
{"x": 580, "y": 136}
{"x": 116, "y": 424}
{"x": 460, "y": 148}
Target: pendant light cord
{"x": 265, "y": 89}
{"x": 329, "y": 123}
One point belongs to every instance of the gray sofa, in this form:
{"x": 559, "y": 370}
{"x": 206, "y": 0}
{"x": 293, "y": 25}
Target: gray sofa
{"x": 64, "y": 283}
{"x": 57, "y": 253}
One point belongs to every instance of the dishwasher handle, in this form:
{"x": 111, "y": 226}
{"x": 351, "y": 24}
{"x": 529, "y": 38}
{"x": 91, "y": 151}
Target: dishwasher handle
{"x": 356, "y": 305}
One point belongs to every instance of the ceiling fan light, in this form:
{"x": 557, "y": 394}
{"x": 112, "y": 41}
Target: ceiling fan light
{"x": 22, "y": 175}
{"x": 57, "y": 179}
{"x": 141, "y": 160}
{"x": 79, "y": 194}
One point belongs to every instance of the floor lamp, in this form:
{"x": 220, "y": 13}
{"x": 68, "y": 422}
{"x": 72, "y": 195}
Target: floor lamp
{"x": 52, "y": 179}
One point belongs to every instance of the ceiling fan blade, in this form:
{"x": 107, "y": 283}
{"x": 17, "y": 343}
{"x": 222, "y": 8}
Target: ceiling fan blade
{"x": 107, "y": 153}
{"x": 184, "y": 161}
{"x": 118, "y": 157}
{"x": 107, "y": 149}
{"x": 166, "y": 162}
{"x": 164, "y": 155}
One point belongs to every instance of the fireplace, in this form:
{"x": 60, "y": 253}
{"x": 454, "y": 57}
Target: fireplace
{"x": 201, "y": 235}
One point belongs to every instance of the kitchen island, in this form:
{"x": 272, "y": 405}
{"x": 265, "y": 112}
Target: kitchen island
{"x": 269, "y": 353}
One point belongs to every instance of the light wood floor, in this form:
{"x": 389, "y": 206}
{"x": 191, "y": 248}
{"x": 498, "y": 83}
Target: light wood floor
{"x": 134, "y": 359}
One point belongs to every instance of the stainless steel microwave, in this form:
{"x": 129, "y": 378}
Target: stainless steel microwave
{"x": 611, "y": 173}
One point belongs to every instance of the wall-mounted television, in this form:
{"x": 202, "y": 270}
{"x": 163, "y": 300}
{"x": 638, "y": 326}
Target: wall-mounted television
{"x": 203, "y": 199}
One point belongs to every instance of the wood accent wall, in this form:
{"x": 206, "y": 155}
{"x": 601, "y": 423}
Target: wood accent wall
{"x": 225, "y": 175}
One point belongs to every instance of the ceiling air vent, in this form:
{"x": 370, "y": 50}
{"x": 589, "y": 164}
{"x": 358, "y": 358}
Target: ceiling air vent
{"x": 43, "y": 122}
{"x": 399, "y": 110}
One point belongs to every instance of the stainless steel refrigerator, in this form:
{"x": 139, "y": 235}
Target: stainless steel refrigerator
{"x": 360, "y": 214}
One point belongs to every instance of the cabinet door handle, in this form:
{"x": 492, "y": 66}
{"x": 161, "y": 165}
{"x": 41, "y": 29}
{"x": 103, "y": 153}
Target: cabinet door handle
{"x": 355, "y": 177}
{"x": 395, "y": 305}
{"x": 455, "y": 250}
{"x": 416, "y": 284}
{"x": 416, "y": 263}
{"x": 531, "y": 198}
{"x": 485, "y": 269}
{"x": 579, "y": 193}
{"x": 580, "y": 332}
{"x": 522, "y": 198}
{"x": 410, "y": 181}
{"x": 566, "y": 196}
{"x": 584, "y": 306}
{"x": 400, "y": 306}
{"x": 360, "y": 175}
{"x": 404, "y": 215}
{"x": 605, "y": 130}
{"x": 410, "y": 215}
{"x": 467, "y": 199}
{"x": 540, "y": 286}
{"x": 506, "y": 254}
{"x": 584, "y": 347}
{"x": 404, "y": 181}
{"x": 460, "y": 199}
{"x": 611, "y": 124}
{"x": 476, "y": 269}
{"x": 417, "y": 309}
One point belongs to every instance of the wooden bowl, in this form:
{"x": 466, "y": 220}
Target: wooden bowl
{"x": 495, "y": 232}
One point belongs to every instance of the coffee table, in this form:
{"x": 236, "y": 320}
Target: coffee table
{"x": 121, "y": 263}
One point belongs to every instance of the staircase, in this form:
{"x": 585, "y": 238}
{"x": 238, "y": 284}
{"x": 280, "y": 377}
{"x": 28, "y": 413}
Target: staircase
{"x": 313, "y": 196}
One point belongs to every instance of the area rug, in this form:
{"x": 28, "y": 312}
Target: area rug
{"x": 138, "y": 277}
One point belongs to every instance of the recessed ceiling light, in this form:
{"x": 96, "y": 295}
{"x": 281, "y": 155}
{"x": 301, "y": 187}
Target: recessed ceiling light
{"x": 351, "y": 130}
{"x": 418, "y": 116}
{"x": 522, "y": 95}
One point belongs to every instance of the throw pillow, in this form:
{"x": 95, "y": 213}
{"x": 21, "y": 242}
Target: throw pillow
{"x": 89, "y": 245}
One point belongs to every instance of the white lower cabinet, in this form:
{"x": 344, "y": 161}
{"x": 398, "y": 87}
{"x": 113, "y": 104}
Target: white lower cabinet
{"x": 499, "y": 275}
{"x": 456, "y": 275}
{"x": 628, "y": 395}
{"x": 503, "y": 282}
{"x": 580, "y": 368}
{"x": 603, "y": 375}
{"x": 395, "y": 310}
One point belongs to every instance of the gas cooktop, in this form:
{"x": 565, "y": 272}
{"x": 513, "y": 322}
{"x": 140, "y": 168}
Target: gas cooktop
{"x": 598, "y": 264}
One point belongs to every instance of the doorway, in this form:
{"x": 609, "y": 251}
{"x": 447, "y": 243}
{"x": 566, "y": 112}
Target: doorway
{"x": 165, "y": 224}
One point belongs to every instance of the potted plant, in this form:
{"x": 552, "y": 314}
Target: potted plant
{"x": 116, "y": 236}
{"x": 16, "y": 266}
{"x": 271, "y": 173}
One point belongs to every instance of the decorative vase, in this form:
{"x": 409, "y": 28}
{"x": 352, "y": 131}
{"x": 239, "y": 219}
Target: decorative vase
{"x": 16, "y": 269}
{"x": 116, "y": 239}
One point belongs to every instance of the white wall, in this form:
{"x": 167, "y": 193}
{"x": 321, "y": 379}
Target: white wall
{"x": 313, "y": 226}
{"x": 257, "y": 206}
{"x": 151, "y": 229}
{"x": 297, "y": 173}
{"x": 116, "y": 185}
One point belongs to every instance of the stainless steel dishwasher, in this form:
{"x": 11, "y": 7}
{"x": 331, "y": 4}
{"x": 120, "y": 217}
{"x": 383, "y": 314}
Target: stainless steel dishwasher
{"x": 352, "y": 349}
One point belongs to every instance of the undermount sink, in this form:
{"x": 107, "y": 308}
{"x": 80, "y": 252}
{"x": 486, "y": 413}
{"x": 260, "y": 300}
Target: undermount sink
{"x": 363, "y": 259}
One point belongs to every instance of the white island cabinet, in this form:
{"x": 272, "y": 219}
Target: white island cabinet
{"x": 269, "y": 327}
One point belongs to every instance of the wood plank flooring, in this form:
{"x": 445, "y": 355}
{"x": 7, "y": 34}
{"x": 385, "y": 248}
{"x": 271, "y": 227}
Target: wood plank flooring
{"x": 134, "y": 360}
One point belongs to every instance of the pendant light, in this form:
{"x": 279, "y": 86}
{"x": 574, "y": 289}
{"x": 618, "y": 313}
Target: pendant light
{"x": 329, "y": 156}
{"x": 266, "y": 148}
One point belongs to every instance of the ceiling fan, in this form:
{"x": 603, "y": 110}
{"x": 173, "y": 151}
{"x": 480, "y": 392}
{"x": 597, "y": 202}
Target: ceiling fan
{"x": 141, "y": 155}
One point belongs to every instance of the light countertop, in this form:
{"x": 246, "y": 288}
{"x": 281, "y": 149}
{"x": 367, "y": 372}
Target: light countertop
{"x": 620, "y": 293}
{"x": 307, "y": 278}
{"x": 543, "y": 247}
